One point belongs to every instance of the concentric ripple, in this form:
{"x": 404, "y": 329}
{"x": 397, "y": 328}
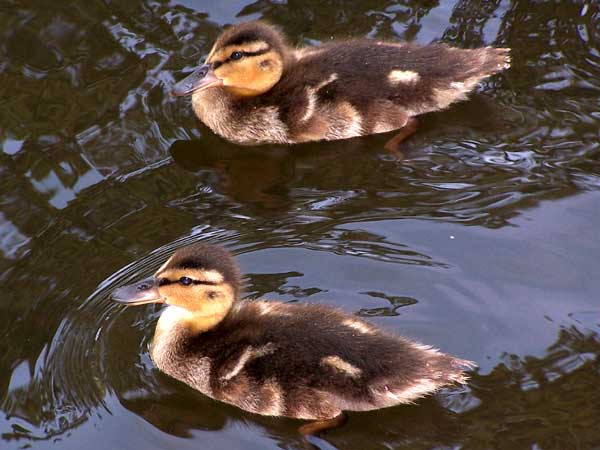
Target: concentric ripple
{"x": 482, "y": 240}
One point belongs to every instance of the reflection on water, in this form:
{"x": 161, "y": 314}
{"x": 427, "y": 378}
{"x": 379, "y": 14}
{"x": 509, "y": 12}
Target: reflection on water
{"x": 482, "y": 241}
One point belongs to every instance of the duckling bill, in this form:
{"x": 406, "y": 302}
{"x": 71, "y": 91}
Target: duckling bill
{"x": 302, "y": 361}
{"x": 255, "y": 89}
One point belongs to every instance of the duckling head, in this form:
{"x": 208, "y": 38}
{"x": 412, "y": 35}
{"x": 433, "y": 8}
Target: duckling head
{"x": 201, "y": 281}
{"x": 246, "y": 60}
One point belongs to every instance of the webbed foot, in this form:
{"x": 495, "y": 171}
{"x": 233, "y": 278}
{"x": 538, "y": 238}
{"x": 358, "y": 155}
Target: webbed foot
{"x": 393, "y": 145}
{"x": 322, "y": 425}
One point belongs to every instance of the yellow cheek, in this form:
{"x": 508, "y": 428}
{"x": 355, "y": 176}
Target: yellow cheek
{"x": 249, "y": 77}
{"x": 178, "y": 295}
{"x": 212, "y": 308}
{"x": 195, "y": 298}
{"x": 238, "y": 74}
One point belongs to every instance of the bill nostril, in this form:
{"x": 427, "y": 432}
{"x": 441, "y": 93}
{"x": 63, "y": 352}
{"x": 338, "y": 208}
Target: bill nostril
{"x": 143, "y": 287}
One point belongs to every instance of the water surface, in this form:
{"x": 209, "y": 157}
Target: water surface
{"x": 483, "y": 242}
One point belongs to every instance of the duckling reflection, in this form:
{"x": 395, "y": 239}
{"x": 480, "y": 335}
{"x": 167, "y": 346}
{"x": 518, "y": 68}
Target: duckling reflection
{"x": 250, "y": 176}
{"x": 262, "y": 176}
{"x": 300, "y": 361}
{"x": 183, "y": 413}
{"x": 255, "y": 89}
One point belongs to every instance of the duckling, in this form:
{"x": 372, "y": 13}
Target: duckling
{"x": 302, "y": 361}
{"x": 255, "y": 89}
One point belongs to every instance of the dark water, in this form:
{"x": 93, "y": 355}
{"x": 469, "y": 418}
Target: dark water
{"x": 484, "y": 241}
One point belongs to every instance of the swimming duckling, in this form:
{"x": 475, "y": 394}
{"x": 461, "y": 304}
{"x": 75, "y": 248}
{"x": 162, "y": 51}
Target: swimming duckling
{"x": 255, "y": 89}
{"x": 294, "y": 360}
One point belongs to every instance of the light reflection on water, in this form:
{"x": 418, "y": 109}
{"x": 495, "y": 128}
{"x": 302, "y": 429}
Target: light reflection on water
{"x": 482, "y": 241}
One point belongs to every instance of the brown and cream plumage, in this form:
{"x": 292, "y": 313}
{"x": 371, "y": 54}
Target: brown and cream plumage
{"x": 255, "y": 89}
{"x": 294, "y": 360}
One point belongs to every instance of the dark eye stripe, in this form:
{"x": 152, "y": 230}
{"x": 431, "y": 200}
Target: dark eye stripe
{"x": 166, "y": 282}
{"x": 256, "y": 53}
{"x": 217, "y": 64}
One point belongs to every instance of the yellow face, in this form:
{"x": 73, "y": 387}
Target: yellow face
{"x": 247, "y": 69}
{"x": 202, "y": 292}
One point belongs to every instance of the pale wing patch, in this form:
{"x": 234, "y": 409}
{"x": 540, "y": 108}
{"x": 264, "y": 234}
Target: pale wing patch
{"x": 248, "y": 354}
{"x": 311, "y": 96}
{"x": 264, "y": 350}
{"x": 307, "y": 51}
{"x": 343, "y": 366}
{"x": 311, "y": 99}
{"x": 358, "y": 326}
{"x": 443, "y": 97}
{"x": 456, "y": 91}
{"x": 403, "y": 76}
{"x": 331, "y": 79}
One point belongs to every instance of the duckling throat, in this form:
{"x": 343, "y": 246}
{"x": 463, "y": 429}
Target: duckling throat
{"x": 237, "y": 119}
{"x": 178, "y": 320}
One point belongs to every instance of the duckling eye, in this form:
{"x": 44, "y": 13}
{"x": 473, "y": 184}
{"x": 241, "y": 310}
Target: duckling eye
{"x": 236, "y": 55}
{"x": 185, "y": 281}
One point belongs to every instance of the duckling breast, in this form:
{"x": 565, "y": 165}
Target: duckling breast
{"x": 171, "y": 354}
{"x": 243, "y": 121}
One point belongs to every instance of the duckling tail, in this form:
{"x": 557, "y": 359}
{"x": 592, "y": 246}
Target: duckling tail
{"x": 465, "y": 70}
{"x": 478, "y": 64}
{"x": 494, "y": 60}
{"x": 447, "y": 370}
{"x": 434, "y": 371}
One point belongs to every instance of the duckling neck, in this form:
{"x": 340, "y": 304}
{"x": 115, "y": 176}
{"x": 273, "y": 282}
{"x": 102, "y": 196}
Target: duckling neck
{"x": 175, "y": 328}
{"x": 170, "y": 346}
{"x": 175, "y": 319}
{"x": 213, "y": 107}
